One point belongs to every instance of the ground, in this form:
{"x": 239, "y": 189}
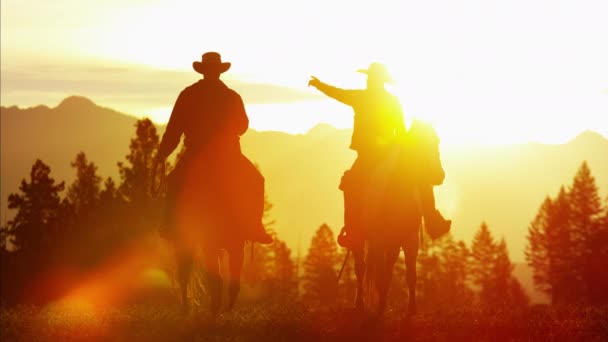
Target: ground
{"x": 298, "y": 323}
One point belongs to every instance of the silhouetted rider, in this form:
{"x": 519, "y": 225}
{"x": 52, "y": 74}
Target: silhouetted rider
{"x": 378, "y": 121}
{"x": 212, "y": 118}
{"x": 378, "y": 125}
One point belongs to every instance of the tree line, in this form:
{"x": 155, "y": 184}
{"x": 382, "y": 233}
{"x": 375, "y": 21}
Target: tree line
{"x": 568, "y": 243}
{"x": 77, "y": 227}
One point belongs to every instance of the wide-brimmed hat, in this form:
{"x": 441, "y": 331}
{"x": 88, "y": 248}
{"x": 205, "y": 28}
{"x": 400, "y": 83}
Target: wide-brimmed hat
{"x": 211, "y": 62}
{"x": 377, "y": 70}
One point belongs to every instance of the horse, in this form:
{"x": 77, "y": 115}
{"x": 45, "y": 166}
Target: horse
{"x": 214, "y": 205}
{"x": 393, "y": 220}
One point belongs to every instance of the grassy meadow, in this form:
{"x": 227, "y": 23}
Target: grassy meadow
{"x": 255, "y": 322}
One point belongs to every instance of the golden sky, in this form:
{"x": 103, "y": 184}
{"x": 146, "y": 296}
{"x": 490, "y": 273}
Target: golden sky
{"x": 482, "y": 71}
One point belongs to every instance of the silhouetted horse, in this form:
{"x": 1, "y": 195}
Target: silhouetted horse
{"x": 393, "y": 222}
{"x": 211, "y": 213}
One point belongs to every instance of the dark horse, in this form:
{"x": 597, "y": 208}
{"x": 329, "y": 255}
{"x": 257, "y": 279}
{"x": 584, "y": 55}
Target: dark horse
{"x": 212, "y": 209}
{"x": 393, "y": 222}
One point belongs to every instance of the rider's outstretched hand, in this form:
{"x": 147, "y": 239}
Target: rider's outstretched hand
{"x": 313, "y": 81}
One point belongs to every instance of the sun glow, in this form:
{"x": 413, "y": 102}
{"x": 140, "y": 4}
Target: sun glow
{"x": 476, "y": 78}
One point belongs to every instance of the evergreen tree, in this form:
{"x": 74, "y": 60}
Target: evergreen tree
{"x": 483, "y": 258}
{"x": 585, "y": 222}
{"x": 35, "y": 227}
{"x": 517, "y": 295}
{"x": 33, "y": 233}
{"x": 283, "y": 271}
{"x": 537, "y": 249}
{"x": 142, "y": 212}
{"x": 5, "y": 239}
{"x": 563, "y": 272}
{"x": 565, "y": 243}
{"x": 506, "y": 289}
{"x": 455, "y": 260}
{"x": 320, "y": 286}
{"x": 443, "y": 279}
{"x": 428, "y": 287}
{"x": 502, "y": 270}
{"x": 109, "y": 194}
{"x": 83, "y": 194}
{"x": 257, "y": 266}
{"x": 136, "y": 175}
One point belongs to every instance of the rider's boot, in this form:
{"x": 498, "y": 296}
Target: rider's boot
{"x": 259, "y": 235}
{"x": 436, "y": 225}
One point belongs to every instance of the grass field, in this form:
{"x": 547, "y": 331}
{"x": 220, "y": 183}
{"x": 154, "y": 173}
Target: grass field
{"x": 297, "y": 323}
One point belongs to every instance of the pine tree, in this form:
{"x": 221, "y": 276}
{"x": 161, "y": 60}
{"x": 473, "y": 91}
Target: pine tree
{"x": 565, "y": 243}
{"x": 550, "y": 249}
{"x": 585, "y": 221}
{"x": 5, "y": 239}
{"x": 454, "y": 268}
{"x": 35, "y": 227}
{"x": 562, "y": 251}
{"x": 443, "y": 273}
{"x": 517, "y": 296}
{"x": 109, "y": 194}
{"x": 483, "y": 253}
{"x": 283, "y": 270}
{"x": 136, "y": 176}
{"x": 142, "y": 212}
{"x": 506, "y": 289}
{"x": 428, "y": 269}
{"x": 257, "y": 267}
{"x": 34, "y": 234}
{"x": 537, "y": 249}
{"x": 83, "y": 194}
{"x": 598, "y": 246}
{"x": 320, "y": 286}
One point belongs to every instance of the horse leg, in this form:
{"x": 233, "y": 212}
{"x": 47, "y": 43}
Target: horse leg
{"x": 384, "y": 274}
{"x": 410, "y": 265}
{"x": 211, "y": 264}
{"x": 235, "y": 258}
{"x": 184, "y": 271}
{"x": 358, "y": 254}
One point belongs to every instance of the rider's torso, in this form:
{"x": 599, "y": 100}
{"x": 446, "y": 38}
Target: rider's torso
{"x": 377, "y": 116}
{"x": 210, "y": 120}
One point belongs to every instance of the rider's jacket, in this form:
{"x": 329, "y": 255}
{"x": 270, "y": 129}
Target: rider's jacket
{"x": 378, "y": 116}
{"x": 210, "y": 115}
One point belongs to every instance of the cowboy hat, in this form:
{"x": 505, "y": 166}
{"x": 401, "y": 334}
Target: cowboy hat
{"x": 210, "y": 62}
{"x": 377, "y": 70}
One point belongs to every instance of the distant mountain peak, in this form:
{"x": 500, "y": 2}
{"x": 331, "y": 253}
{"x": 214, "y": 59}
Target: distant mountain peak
{"x": 322, "y": 129}
{"x": 589, "y": 137}
{"x": 76, "y": 102}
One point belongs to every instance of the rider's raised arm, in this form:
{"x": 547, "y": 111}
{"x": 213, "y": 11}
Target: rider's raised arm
{"x": 345, "y": 96}
{"x": 175, "y": 128}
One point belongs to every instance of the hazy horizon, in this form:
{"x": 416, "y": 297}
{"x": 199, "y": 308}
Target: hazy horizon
{"x": 261, "y": 115}
{"x": 466, "y": 67}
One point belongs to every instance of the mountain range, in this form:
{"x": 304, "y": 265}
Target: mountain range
{"x": 502, "y": 185}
